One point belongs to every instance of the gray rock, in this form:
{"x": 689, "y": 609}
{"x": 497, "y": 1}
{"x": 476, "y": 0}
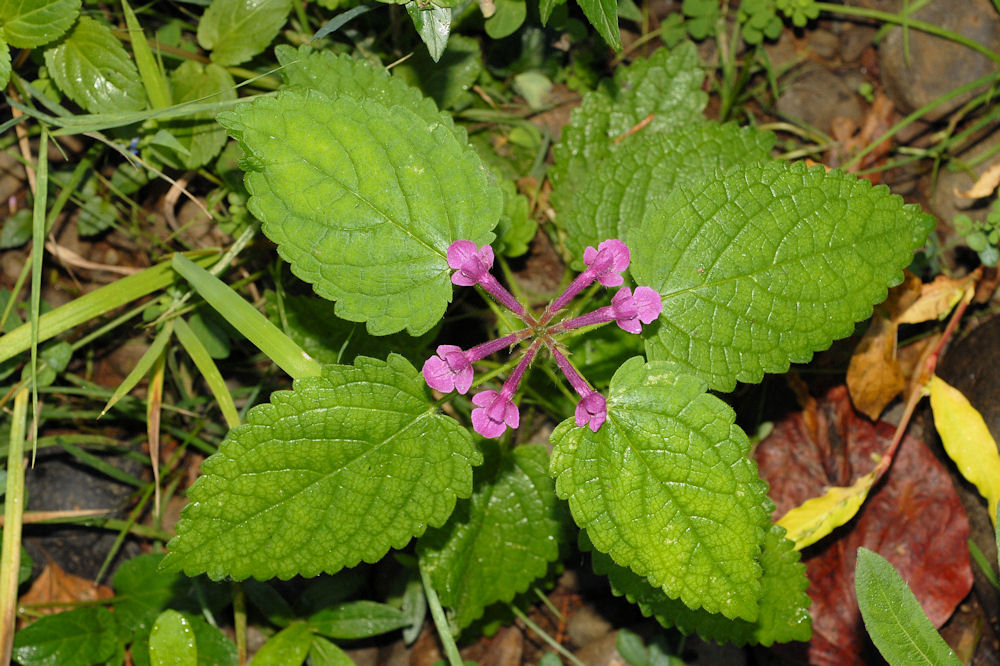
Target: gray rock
{"x": 936, "y": 65}
{"x": 602, "y": 652}
{"x": 824, "y": 43}
{"x": 854, "y": 39}
{"x": 945, "y": 202}
{"x": 816, "y": 96}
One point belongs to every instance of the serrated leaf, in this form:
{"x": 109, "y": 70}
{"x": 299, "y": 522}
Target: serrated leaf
{"x": 666, "y": 86}
{"x": 336, "y": 75}
{"x": 603, "y": 15}
{"x": 237, "y": 30}
{"x": 760, "y": 266}
{"x": 78, "y": 637}
{"x": 448, "y": 80}
{"x": 613, "y": 196}
{"x": 5, "y": 67}
{"x": 666, "y": 489}
{"x": 893, "y": 616}
{"x": 200, "y": 136}
{"x": 311, "y": 322}
{"x": 967, "y": 440}
{"x": 357, "y": 619}
{"x": 433, "y": 24}
{"x": 336, "y": 471}
{"x": 784, "y": 604}
{"x": 363, "y": 201}
{"x": 31, "y": 23}
{"x": 498, "y": 541}
{"x": 143, "y": 591}
{"x": 92, "y": 68}
{"x": 172, "y": 641}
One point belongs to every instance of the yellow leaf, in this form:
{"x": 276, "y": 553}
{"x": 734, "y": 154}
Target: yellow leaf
{"x": 984, "y": 186}
{"x": 967, "y": 440}
{"x": 937, "y": 299}
{"x": 815, "y": 518}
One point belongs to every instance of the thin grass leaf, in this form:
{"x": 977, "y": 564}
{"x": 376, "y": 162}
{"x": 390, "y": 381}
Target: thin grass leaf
{"x": 152, "y": 76}
{"x": 142, "y": 367}
{"x": 154, "y": 404}
{"x": 101, "y": 465}
{"x": 244, "y": 318}
{"x": 209, "y": 371}
{"x": 93, "y": 305}
{"x": 339, "y": 21}
{"x": 13, "y": 512}
{"x": 37, "y": 254}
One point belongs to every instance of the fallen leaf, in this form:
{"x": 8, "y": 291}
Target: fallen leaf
{"x": 818, "y": 516}
{"x": 912, "y": 517}
{"x": 984, "y": 186}
{"x": 967, "y": 440}
{"x": 54, "y": 585}
{"x": 937, "y": 298}
{"x": 874, "y": 376}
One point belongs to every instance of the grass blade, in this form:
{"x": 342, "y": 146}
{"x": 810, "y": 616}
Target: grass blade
{"x": 150, "y": 71}
{"x": 13, "y": 512}
{"x": 209, "y": 371}
{"x": 248, "y": 321}
{"x": 142, "y": 367}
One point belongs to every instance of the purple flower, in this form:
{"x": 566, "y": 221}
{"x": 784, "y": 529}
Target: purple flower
{"x": 496, "y": 411}
{"x": 472, "y": 266}
{"x": 592, "y": 411}
{"x": 606, "y": 262}
{"x": 450, "y": 369}
{"x": 631, "y": 308}
{"x": 470, "y": 263}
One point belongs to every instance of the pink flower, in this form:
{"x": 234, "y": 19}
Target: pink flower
{"x": 470, "y": 264}
{"x": 449, "y": 370}
{"x": 592, "y": 411}
{"x": 606, "y": 262}
{"x": 629, "y": 309}
{"x": 495, "y": 412}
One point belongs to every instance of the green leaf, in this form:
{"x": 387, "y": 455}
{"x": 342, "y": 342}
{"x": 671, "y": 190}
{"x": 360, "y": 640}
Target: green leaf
{"x": 498, "y": 541}
{"x": 201, "y": 137}
{"x": 336, "y": 471}
{"x": 357, "y": 619}
{"x": 79, "y": 637}
{"x": 4, "y": 62}
{"x": 509, "y": 16}
{"x": 172, "y": 641}
{"x": 364, "y": 201}
{"x": 324, "y": 653}
{"x": 603, "y": 15}
{"x": 288, "y": 647}
{"x": 16, "y": 229}
{"x": 893, "y": 617}
{"x": 214, "y": 649}
{"x": 336, "y": 75}
{"x": 31, "y": 23}
{"x": 516, "y": 228}
{"x": 762, "y": 265}
{"x": 311, "y": 322}
{"x": 783, "y": 607}
{"x": 150, "y": 69}
{"x": 612, "y": 197}
{"x": 269, "y": 602}
{"x": 448, "y": 80}
{"x": 666, "y": 489}
{"x": 92, "y": 68}
{"x": 237, "y": 30}
{"x": 433, "y": 24}
{"x": 667, "y": 86}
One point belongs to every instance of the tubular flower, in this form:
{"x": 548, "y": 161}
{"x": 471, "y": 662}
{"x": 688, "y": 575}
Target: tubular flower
{"x": 451, "y": 368}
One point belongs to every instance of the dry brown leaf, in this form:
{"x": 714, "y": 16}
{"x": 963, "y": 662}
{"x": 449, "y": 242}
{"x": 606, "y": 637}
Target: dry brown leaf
{"x": 54, "y": 585}
{"x": 874, "y": 377}
{"x": 937, "y": 298}
{"x": 984, "y": 186}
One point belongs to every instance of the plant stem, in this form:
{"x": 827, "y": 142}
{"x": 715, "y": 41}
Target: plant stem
{"x": 519, "y": 614}
{"x": 240, "y": 622}
{"x": 440, "y": 621}
{"x": 13, "y": 512}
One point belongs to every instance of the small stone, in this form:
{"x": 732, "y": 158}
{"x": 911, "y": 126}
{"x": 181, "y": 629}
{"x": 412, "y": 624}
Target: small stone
{"x": 823, "y": 43}
{"x": 945, "y": 202}
{"x": 817, "y": 96}
{"x": 602, "y": 652}
{"x": 586, "y": 626}
{"x": 366, "y": 656}
{"x": 935, "y": 66}
{"x": 507, "y": 647}
{"x": 854, "y": 40}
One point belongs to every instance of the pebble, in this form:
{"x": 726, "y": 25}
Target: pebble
{"x": 945, "y": 202}
{"x": 937, "y": 65}
{"x": 817, "y": 96}
{"x": 602, "y": 652}
{"x": 586, "y": 626}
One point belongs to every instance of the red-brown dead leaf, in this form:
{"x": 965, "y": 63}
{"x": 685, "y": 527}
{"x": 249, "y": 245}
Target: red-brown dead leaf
{"x": 54, "y": 585}
{"x": 913, "y": 518}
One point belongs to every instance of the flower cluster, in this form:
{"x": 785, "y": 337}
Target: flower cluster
{"x": 451, "y": 369}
